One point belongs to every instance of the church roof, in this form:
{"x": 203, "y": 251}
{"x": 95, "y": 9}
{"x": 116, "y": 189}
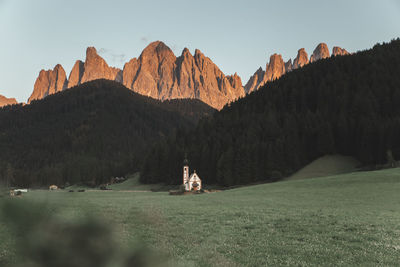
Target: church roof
{"x": 194, "y": 175}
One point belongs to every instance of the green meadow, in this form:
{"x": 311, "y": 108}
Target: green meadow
{"x": 343, "y": 220}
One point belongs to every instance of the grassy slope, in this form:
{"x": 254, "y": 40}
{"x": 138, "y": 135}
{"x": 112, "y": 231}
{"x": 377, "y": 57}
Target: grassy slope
{"x": 350, "y": 219}
{"x": 326, "y": 166}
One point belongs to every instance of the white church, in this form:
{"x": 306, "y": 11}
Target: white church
{"x": 192, "y": 182}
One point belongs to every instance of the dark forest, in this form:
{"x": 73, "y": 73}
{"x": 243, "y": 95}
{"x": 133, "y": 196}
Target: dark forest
{"x": 348, "y": 105}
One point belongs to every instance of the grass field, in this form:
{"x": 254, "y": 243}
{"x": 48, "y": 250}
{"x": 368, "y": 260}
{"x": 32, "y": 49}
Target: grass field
{"x": 345, "y": 220}
{"x": 327, "y": 166}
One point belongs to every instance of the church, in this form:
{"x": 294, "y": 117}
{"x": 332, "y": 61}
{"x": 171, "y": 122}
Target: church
{"x": 192, "y": 182}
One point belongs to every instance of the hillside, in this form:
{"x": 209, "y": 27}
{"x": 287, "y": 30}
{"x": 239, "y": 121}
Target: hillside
{"x": 348, "y": 105}
{"x": 86, "y": 134}
{"x": 326, "y": 166}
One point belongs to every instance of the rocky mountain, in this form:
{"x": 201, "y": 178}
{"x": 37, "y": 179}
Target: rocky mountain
{"x": 288, "y": 65}
{"x": 96, "y": 67}
{"x": 49, "y": 82}
{"x": 255, "y": 80}
{"x": 337, "y": 51}
{"x": 157, "y": 73}
{"x": 4, "y": 101}
{"x": 273, "y": 70}
{"x": 301, "y": 59}
{"x": 276, "y": 66}
{"x": 75, "y": 77}
{"x": 320, "y": 52}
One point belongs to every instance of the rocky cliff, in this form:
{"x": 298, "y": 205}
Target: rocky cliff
{"x": 276, "y": 66}
{"x": 49, "y": 82}
{"x": 274, "y": 69}
{"x": 4, "y": 101}
{"x": 337, "y": 51}
{"x": 157, "y": 73}
{"x": 320, "y": 52}
{"x": 75, "y": 77}
{"x": 301, "y": 59}
{"x": 254, "y": 81}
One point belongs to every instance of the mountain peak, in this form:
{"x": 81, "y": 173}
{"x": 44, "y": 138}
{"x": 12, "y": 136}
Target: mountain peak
{"x": 320, "y": 52}
{"x": 156, "y": 47}
{"x": 338, "y": 51}
{"x": 197, "y": 52}
{"x": 49, "y": 82}
{"x": 186, "y": 52}
{"x": 91, "y": 50}
{"x": 275, "y": 68}
{"x": 95, "y": 67}
{"x": 76, "y": 74}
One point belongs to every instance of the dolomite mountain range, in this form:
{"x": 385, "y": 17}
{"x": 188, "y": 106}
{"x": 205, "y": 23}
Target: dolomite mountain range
{"x": 159, "y": 74}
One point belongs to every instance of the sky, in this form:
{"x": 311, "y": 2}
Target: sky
{"x": 238, "y": 36}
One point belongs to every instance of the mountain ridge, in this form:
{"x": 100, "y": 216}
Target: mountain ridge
{"x": 276, "y": 67}
{"x": 160, "y": 74}
{"x": 157, "y": 73}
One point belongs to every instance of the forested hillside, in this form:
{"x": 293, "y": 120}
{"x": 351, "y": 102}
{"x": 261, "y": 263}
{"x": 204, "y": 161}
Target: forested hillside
{"x": 88, "y": 133}
{"x": 348, "y": 105}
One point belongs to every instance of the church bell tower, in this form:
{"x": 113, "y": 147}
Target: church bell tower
{"x": 186, "y": 173}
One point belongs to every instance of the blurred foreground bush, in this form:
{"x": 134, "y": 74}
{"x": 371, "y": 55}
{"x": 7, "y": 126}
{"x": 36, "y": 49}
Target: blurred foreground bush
{"x": 44, "y": 239}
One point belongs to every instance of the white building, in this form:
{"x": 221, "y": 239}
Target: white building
{"x": 192, "y": 182}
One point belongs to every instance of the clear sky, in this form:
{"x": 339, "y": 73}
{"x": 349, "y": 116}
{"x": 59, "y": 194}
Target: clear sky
{"x": 239, "y": 36}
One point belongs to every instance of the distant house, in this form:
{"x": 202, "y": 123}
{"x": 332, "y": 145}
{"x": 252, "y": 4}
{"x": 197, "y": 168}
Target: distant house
{"x": 192, "y": 182}
{"x": 21, "y": 190}
{"x": 53, "y": 187}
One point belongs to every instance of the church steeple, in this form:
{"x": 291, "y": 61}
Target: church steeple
{"x": 185, "y": 161}
{"x": 186, "y": 173}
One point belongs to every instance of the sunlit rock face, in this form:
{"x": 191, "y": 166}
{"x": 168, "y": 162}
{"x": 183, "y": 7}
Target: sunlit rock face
{"x": 4, "y": 101}
{"x": 301, "y": 59}
{"x": 320, "y": 52}
{"x": 288, "y": 65}
{"x": 276, "y": 67}
{"x": 157, "y": 73}
{"x": 75, "y": 77}
{"x": 95, "y": 67}
{"x": 254, "y": 81}
{"x": 337, "y": 51}
{"x": 49, "y": 82}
